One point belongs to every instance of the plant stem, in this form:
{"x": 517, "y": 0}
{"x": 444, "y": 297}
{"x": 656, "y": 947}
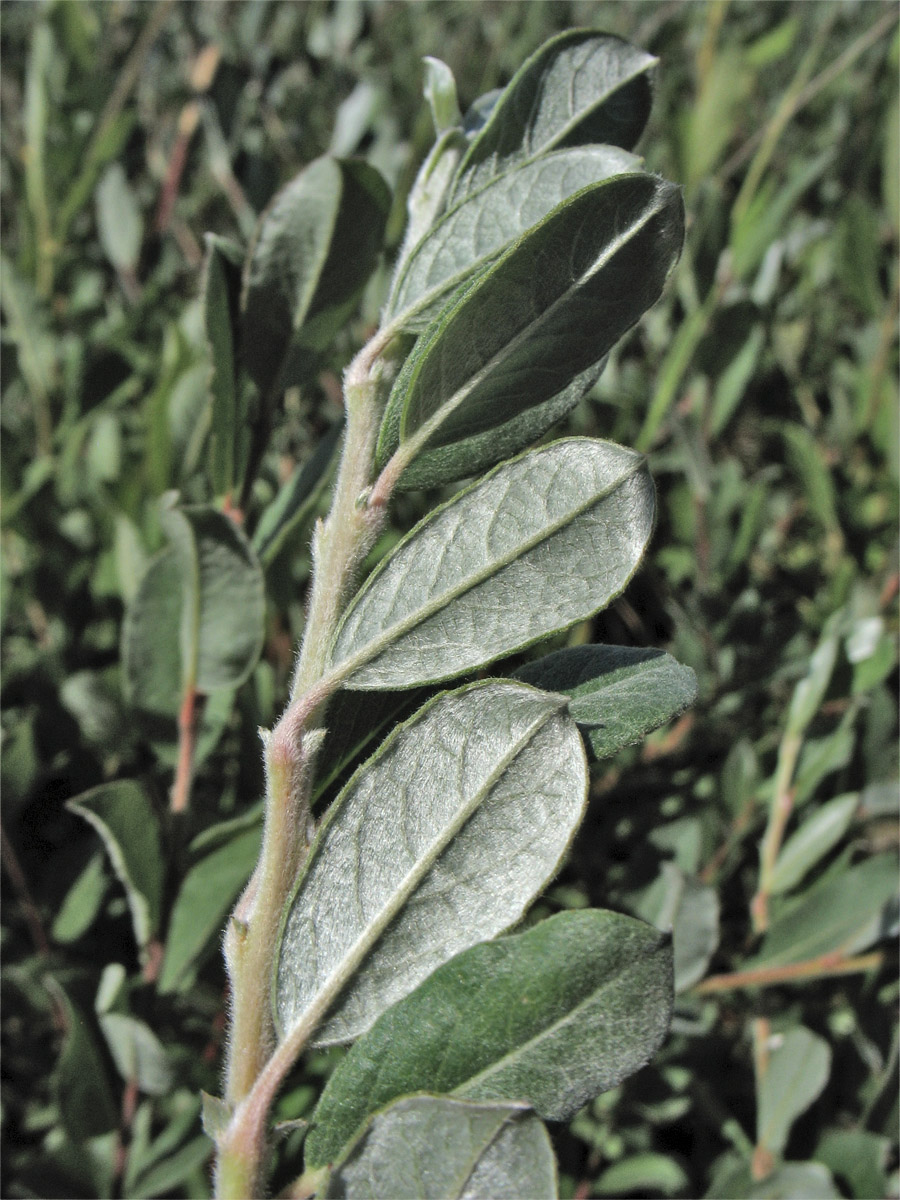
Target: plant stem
{"x": 187, "y": 725}
{"x": 256, "y": 1067}
{"x": 814, "y": 968}
{"x": 779, "y": 815}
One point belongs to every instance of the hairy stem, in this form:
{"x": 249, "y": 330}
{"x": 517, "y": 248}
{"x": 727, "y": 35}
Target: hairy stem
{"x": 255, "y": 1065}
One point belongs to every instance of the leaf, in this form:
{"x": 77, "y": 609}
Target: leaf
{"x": 220, "y": 293}
{"x": 87, "y": 1107}
{"x": 857, "y": 1156}
{"x": 790, "y": 1076}
{"x": 119, "y": 223}
{"x": 486, "y": 1150}
{"x": 223, "y": 598}
{"x": 151, "y": 655}
{"x": 313, "y": 251}
{"x": 691, "y": 911}
{"x": 441, "y": 839}
{"x": 810, "y": 691}
{"x": 487, "y": 222}
{"x": 440, "y": 92}
{"x": 552, "y": 1016}
{"x": 82, "y": 902}
{"x": 547, "y": 310}
{"x": 579, "y": 87}
{"x": 790, "y": 1181}
{"x": 137, "y": 1052}
{"x": 296, "y": 499}
{"x": 538, "y": 544}
{"x": 812, "y": 841}
{"x": 124, "y": 818}
{"x": 619, "y": 693}
{"x": 820, "y": 921}
{"x": 206, "y": 895}
{"x": 642, "y": 1173}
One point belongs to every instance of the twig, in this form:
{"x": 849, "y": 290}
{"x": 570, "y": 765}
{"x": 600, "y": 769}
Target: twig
{"x": 187, "y": 727}
{"x": 814, "y": 968}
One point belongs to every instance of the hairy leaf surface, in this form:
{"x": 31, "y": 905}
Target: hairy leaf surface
{"x": 434, "y": 1148}
{"x": 441, "y": 839}
{"x": 619, "y": 693}
{"x": 541, "y": 542}
{"x": 485, "y": 223}
{"x": 579, "y": 87}
{"x": 553, "y": 1016}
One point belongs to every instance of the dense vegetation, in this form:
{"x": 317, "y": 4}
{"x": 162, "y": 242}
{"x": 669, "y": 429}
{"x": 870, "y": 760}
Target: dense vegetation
{"x": 761, "y": 825}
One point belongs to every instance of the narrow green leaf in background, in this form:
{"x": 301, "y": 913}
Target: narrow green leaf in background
{"x": 821, "y": 921}
{"x": 538, "y": 544}
{"x": 579, "y": 87}
{"x": 816, "y": 836}
{"x": 796, "y": 1069}
{"x": 441, "y": 839}
{"x": 548, "y": 309}
{"x": 496, "y": 1150}
{"x": 619, "y": 693}
{"x": 119, "y": 222}
{"x": 82, "y": 902}
{"x": 314, "y": 249}
{"x": 295, "y": 500}
{"x": 553, "y": 1017}
{"x": 208, "y": 891}
{"x": 124, "y": 818}
{"x": 220, "y": 292}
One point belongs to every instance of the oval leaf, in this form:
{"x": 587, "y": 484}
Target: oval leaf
{"x": 790, "y": 1074}
{"x": 550, "y": 308}
{"x": 223, "y": 601}
{"x": 553, "y": 1017}
{"x": 579, "y": 87}
{"x": 484, "y": 224}
{"x": 540, "y": 543}
{"x": 313, "y": 251}
{"x": 443, "y": 838}
{"x": 151, "y": 655}
{"x": 619, "y": 693}
{"x": 495, "y": 1150}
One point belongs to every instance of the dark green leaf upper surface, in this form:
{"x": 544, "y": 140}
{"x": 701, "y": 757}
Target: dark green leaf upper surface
{"x": 434, "y": 1148}
{"x": 484, "y": 223}
{"x": 442, "y": 838}
{"x": 315, "y": 247}
{"x": 579, "y": 87}
{"x": 552, "y": 1017}
{"x": 547, "y": 310}
{"x": 221, "y": 295}
{"x": 541, "y": 542}
{"x": 619, "y": 693}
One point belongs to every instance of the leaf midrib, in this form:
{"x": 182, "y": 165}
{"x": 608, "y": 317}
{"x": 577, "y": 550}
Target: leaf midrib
{"x": 514, "y": 1056}
{"x": 395, "y": 632}
{"x": 425, "y": 430}
{"x": 365, "y": 943}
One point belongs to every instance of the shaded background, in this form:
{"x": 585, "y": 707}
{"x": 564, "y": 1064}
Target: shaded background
{"x": 763, "y": 388}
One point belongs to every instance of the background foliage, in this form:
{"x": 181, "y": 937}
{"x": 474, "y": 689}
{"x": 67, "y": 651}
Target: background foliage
{"x": 763, "y": 388}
